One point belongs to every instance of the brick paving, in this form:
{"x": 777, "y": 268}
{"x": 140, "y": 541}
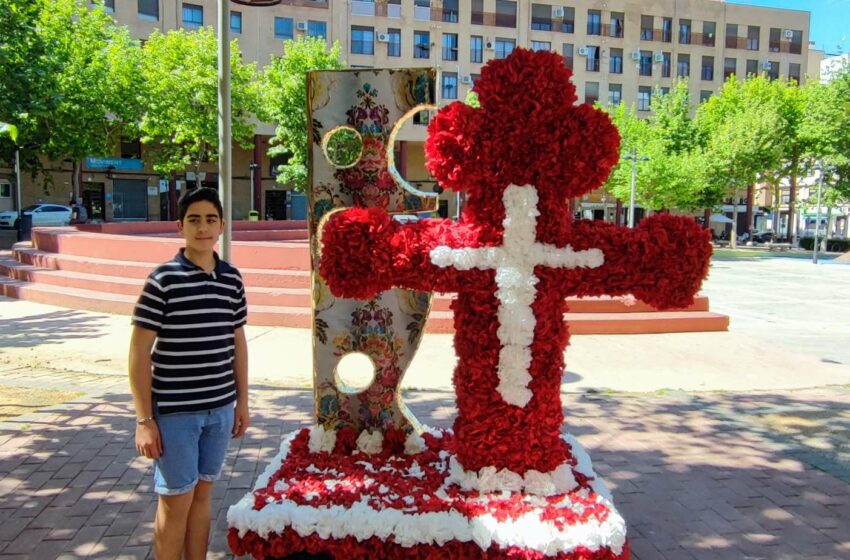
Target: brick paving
{"x": 697, "y": 476}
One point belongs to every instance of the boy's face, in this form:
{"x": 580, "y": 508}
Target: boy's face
{"x": 201, "y": 227}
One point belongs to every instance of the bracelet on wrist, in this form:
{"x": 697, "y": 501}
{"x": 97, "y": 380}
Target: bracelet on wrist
{"x": 142, "y": 421}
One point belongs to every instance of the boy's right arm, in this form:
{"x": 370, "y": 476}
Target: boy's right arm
{"x": 148, "y": 442}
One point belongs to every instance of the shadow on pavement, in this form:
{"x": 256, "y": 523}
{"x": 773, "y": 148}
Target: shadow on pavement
{"x": 708, "y": 476}
{"x": 48, "y": 328}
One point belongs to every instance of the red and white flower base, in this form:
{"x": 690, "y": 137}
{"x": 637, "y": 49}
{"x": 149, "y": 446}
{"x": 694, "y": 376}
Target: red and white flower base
{"x": 398, "y": 496}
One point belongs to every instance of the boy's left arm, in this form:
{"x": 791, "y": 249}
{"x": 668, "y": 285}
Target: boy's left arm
{"x": 241, "y": 416}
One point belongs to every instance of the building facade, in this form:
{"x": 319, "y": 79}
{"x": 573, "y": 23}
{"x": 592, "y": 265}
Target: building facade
{"x": 619, "y": 51}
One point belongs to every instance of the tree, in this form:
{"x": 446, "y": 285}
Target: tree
{"x": 96, "y": 75}
{"x": 285, "y": 102}
{"x": 180, "y": 123}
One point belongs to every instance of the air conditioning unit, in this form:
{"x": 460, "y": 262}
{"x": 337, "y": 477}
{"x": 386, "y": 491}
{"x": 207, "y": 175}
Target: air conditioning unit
{"x": 301, "y": 26}
{"x": 766, "y": 65}
{"x": 788, "y": 34}
{"x": 489, "y": 45}
{"x": 466, "y": 79}
{"x": 383, "y": 37}
{"x": 659, "y": 57}
{"x": 635, "y": 55}
{"x": 583, "y": 51}
{"x": 557, "y": 11}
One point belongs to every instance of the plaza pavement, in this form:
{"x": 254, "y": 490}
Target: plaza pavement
{"x": 715, "y": 445}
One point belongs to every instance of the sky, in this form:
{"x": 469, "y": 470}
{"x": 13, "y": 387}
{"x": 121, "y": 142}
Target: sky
{"x": 830, "y": 20}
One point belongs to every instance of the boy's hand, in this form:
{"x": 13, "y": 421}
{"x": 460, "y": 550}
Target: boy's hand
{"x": 148, "y": 442}
{"x": 241, "y": 419}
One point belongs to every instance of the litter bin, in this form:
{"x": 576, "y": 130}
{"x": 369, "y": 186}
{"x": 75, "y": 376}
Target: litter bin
{"x": 253, "y": 216}
{"x": 24, "y": 227}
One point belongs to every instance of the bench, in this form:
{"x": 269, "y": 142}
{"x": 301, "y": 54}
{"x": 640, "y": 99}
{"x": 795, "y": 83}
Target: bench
{"x": 778, "y": 246}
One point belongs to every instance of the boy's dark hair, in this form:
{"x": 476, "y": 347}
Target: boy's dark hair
{"x": 195, "y": 195}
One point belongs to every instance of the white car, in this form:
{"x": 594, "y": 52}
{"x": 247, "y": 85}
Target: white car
{"x": 42, "y": 215}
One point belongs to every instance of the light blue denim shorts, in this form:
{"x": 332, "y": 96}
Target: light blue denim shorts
{"x": 193, "y": 448}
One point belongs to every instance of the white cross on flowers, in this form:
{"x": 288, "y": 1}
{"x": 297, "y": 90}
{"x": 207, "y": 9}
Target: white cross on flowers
{"x": 514, "y": 263}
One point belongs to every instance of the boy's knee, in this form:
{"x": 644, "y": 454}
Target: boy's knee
{"x": 203, "y": 491}
{"x": 177, "y": 504}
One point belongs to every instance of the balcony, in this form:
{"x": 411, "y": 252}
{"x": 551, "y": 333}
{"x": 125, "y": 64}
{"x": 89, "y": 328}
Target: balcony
{"x": 783, "y": 47}
{"x": 656, "y": 35}
{"x": 359, "y": 8}
{"x": 615, "y": 30}
{"x": 422, "y": 13}
{"x": 322, "y": 4}
{"x": 493, "y": 20}
{"x": 382, "y": 9}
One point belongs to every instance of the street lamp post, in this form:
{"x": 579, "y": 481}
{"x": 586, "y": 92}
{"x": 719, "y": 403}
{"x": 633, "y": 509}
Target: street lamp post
{"x": 224, "y": 134}
{"x": 634, "y": 159}
{"x": 817, "y": 219}
{"x": 254, "y": 166}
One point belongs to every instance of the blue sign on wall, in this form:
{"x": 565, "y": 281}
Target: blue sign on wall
{"x": 119, "y": 164}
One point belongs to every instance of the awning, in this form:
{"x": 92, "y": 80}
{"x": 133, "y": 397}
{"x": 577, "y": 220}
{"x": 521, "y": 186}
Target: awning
{"x": 720, "y": 219}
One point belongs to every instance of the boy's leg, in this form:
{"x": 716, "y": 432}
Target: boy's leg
{"x": 198, "y": 528}
{"x": 172, "y": 514}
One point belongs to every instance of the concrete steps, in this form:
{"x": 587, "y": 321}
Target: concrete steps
{"x": 105, "y": 271}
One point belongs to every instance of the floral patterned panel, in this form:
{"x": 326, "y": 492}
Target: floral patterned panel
{"x": 389, "y": 327}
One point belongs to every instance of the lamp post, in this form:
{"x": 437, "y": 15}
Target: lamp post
{"x": 224, "y": 134}
{"x": 817, "y": 219}
{"x": 633, "y": 157}
{"x": 30, "y": 146}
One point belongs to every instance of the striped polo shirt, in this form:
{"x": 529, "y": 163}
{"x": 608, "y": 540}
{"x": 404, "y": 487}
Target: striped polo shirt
{"x": 194, "y": 315}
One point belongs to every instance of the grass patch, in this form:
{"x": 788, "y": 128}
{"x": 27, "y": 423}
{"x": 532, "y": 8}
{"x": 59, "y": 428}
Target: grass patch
{"x": 15, "y": 401}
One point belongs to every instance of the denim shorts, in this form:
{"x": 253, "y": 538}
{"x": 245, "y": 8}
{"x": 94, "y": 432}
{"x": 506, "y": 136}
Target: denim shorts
{"x": 193, "y": 448}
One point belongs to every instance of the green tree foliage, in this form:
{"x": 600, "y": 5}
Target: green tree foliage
{"x": 95, "y": 65}
{"x": 180, "y": 80}
{"x": 285, "y": 102}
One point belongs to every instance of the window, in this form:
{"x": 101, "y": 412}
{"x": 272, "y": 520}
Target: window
{"x": 504, "y": 47}
{"x": 421, "y": 44}
{"x": 796, "y": 42}
{"x": 753, "y": 32}
{"x": 731, "y": 35}
{"x": 476, "y": 48}
{"x": 615, "y": 94}
{"x": 644, "y": 96}
{"x": 283, "y": 28}
{"x": 667, "y": 30}
{"x": 646, "y": 63}
{"x": 505, "y": 13}
{"x": 450, "y": 11}
{"x": 131, "y": 149}
{"x": 616, "y": 61}
{"x": 317, "y": 29}
{"x": 774, "y": 40}
{"x": 618, "y": 24}
{"x": 752, "y": 67}
{"x": 683, "y": 66}
{"x": 449, "y": 85}
{"x": 450, "y": 46}
{"x": 730, "y": 66}
{"x": 794, "y": 72}
{"x": 591, "y": 92}
{"x": 592, "y": 62}
{"x": 394, "y": 43}
{"x": 773, "y": 71}
{"x": 569, "y": 23}
{"x": 708, "y": 68}
{"x": 709, "y": 28}
{"x": 567, "y": 52}
{"x": 684, "y": 31}
{"x": 541, "y": 17}
{"x": 476, "y": 14}
{"x": 193, "y": 16}
{"x": 647, "y": 28}
{"x": 704, "y": 96}
{"x": 664, "y": 90}
{"x": 541, "y": 46}
{"x": 148, "y": 9}
{"x": 108, "y": 5}
{"x": 665, "y": 65}
{"x": 5, "y": 190}
{"x": 594, "y": 22}
{"x": 236, "y": 22}
{"x": 362, "y": 40}
{"x": 276, "y": 161}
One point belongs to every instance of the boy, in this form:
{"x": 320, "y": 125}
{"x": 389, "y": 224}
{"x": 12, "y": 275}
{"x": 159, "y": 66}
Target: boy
{"x": 194, "y": 308}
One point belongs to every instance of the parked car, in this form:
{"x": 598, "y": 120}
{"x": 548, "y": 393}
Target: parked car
{"x": 763, "y": 237}
{"x": 42, "y": 215}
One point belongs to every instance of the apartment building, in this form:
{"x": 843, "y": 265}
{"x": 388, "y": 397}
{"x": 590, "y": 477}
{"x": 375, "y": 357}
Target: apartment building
{"x": 618, "y": 51}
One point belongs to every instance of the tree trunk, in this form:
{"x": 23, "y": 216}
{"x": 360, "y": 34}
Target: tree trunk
{"x": 733, "y": 237}
{"x": 750, "y": 213}
{"x": 792, "y": 196}
{"x": 76, "y": 187}
{"x": 777, "y": 215}
{"x": 826, "y": 234}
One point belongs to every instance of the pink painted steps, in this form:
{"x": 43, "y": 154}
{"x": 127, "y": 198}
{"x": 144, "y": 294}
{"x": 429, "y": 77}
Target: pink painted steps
{"x": 102, "y": 268}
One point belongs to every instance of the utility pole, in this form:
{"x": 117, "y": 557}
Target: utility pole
{"x": 225, "y": 179}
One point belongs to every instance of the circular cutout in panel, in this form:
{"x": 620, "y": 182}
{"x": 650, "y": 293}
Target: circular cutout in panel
{"x": 429, "y": 197}
{"x": 355, "y": 372}
{"x": 342, "y": 147}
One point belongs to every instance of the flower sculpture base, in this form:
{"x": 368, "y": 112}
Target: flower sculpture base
{"x": 395, "y": 495}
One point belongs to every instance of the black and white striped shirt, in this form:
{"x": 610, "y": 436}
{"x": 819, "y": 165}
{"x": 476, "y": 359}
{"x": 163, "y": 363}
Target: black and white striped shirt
{"x": 194, "y": 314}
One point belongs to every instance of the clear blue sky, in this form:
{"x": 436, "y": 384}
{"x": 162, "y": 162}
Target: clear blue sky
{"x": 830, "y": 20}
